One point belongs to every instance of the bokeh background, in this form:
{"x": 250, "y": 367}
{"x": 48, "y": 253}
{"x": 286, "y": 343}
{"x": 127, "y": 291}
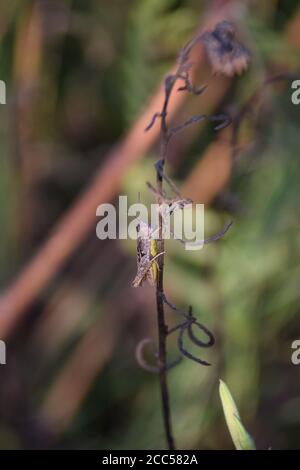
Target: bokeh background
{"x": 83, "y": 78}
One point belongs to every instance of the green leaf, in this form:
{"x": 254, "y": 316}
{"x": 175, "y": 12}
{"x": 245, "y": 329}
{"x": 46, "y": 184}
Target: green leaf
{"x": 241, "y": 438}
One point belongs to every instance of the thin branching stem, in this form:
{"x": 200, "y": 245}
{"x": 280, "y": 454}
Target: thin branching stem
{"x": 166, "y": 134}
{"x": 162, "y": 327}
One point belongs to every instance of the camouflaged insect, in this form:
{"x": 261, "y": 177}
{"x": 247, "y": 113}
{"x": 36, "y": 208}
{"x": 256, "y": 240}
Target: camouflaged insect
{"x": 147, "y": 246}
{"x": 147, "y": 253}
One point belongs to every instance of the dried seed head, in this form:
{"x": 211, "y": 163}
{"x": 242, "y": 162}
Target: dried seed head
{"x": 226, "y": 55}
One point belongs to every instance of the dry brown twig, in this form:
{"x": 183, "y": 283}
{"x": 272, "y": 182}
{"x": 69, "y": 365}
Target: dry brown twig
{"x": 228, "y": 57}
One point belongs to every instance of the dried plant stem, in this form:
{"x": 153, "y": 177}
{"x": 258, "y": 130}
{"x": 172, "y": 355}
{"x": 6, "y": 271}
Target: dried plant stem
{"x": 222, "y": 33}
{"x": 218, "y": 42}
{"x": 162, "y": 362}
{"x": 165, "y": 136}
{"x": 162, "y": 333}
{"x": 162, "y": 326}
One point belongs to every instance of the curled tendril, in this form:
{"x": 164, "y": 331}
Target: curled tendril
{"x": 187, "y": 326}
{"x": 188, "y": 86}
{"x": 152, "y": 368}
{"x": 211, "y": 339}
{"x": 139, "y": 354}
{"x": 184, "y": 351}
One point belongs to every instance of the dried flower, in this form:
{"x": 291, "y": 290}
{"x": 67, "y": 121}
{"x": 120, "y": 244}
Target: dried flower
{"x": 226, "y": 54}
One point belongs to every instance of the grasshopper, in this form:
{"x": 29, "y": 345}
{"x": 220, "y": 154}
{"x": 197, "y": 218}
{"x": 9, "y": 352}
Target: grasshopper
{"x": 147, "y": 246}
{"x": 147, "y": 253}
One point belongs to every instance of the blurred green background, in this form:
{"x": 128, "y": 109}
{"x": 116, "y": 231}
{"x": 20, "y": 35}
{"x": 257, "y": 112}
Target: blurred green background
{"x": 78, "y": 75}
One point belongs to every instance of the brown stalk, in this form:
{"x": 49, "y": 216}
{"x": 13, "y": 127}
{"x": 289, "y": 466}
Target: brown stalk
{"x": 166, "y": 134}
{"x": 231, "y": 58}
{"x": 162, "y": 327}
